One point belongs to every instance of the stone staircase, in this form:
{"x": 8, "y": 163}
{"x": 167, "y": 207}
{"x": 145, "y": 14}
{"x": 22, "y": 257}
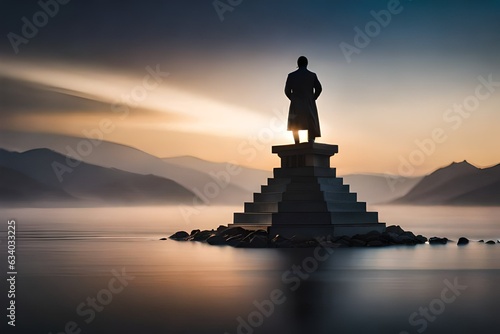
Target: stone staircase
{"x": 306, "y": 198}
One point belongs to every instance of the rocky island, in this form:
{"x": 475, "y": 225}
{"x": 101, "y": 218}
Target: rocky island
{"x": 243, "y": 238}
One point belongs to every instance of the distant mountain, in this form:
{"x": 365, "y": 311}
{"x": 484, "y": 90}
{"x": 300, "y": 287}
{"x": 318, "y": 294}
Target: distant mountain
{"x": 17, "y": 187}
{"x": 126, "y": 158}
{"x": 487, "y": 195}
{"x": 89, "y": 182}
{"x": 249, "y": 179}
{"x": 191, "y": 172}
{"x": 457, "y": 184}
{"x": 378, "y": 188}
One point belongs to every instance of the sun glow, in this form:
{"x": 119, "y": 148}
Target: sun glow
{"x": 192, "y": 112}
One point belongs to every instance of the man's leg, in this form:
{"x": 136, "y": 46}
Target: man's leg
{"x": 310, "y": 136}
{"x": 296, "y": 136}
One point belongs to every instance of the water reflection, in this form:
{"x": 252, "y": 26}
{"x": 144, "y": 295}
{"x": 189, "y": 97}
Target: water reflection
{"x": 66, "y": 256}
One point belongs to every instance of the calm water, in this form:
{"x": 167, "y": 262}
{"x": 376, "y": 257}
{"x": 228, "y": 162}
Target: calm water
{"x": 66, "y": 258}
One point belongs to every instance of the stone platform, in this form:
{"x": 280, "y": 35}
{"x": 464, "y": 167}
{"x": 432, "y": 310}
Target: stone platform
{"x": 306, "y": 199}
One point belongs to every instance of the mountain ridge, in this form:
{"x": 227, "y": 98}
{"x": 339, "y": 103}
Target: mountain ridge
{"x": 18, "y": 187}
{"x": 130, "y": 159}
{"x": 196, "y": 174}
{"x": 456, "y": 184}
{"x": 93, "y": 183}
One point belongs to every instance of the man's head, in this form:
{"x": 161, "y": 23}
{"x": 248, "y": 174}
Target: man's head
{"x": 302, "y": 61}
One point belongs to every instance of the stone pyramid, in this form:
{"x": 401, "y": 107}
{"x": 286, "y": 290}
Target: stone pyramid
{"x": 305, "y": 198}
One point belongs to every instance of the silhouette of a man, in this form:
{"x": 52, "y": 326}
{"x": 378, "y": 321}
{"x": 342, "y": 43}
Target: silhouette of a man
{"x": 303, "y": 88}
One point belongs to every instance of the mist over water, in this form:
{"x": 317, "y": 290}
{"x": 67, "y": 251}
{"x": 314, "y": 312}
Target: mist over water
{"x": 447, "y": 221}
{"x": 68, "y": 255}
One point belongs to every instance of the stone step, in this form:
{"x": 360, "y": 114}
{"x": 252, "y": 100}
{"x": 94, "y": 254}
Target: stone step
{"x": 267, "y": 197}
{"x": 273, "y": 181}
{"x": 252, "y": 218}
{"x": 340, "y": 197}
{"x": 320, "y": 206}
{"x": 334, "y": 186}
{"x": 274, "y": 188}
{"x": 312, "y": 187}
{"x": 261, "y": 207}
{"x": 305, "y": 149}
{"x": 330, "y": 180}
{"x": 250, "y": 226}
{"x": 304, "y": 206}
{"x": 305, "y": 218}
{"x": 307, "y": 179}
{"x": 320, "y": 196}
{"x": 304, "y": 171}
{"x": 346, "y": 206}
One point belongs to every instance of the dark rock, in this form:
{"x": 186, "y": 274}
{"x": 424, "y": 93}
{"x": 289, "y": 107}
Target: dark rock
{"x": 340, "y": 245}
{"x": 242, "y": 244}
{"x": 376, "y": 243}
{"x": 357, "y": 242}
{"x": 438, "y": 241}
{"x": 299, "y": 238}
{"x": 234, "y": 240}
{"x": 327, "y": 243}
{"x": 216, "y": 240}
{"x": 281, "y": 242}
{"x": 421, "y": 239}
{"x": 221, "y": 228}
{"x": 394, "y": 229}
{"x": 163, "y": 239}
{"x": 373, "y": 233}
{"x": 311, "y": 243}
{"x": 234, "y": 231}
{"x": 373, "y": 237}
{"x": 462, "y": 241}
{"x": 490, "y": 242}
{"x": 179, "y": 236}
{"x": 202, "y": 235}
{"x": 409, "y": 241}
{"x": 408, "y": 235}
{"x": 343, "y": 242}
{"x": 481, "y": 240}
{"x": 258, "y": 241}
{"x": 370, "y": 236}
{"x": 405, "y": 238}
{"x": 249, "y": 236}
{"x": 262, "y": 232}
{"x": 386, "y": 240}
{"x": 393, "y": 237}
{"x": 240, "y": 237}
{"x": 362, "y": 237}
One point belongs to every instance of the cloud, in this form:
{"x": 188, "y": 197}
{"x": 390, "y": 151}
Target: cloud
{"x": 21, "y": 97}
{"x": 62, "y": 89}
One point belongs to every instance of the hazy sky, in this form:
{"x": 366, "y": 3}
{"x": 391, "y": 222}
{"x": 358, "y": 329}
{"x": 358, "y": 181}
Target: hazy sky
{"x": 407, "y": 93}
